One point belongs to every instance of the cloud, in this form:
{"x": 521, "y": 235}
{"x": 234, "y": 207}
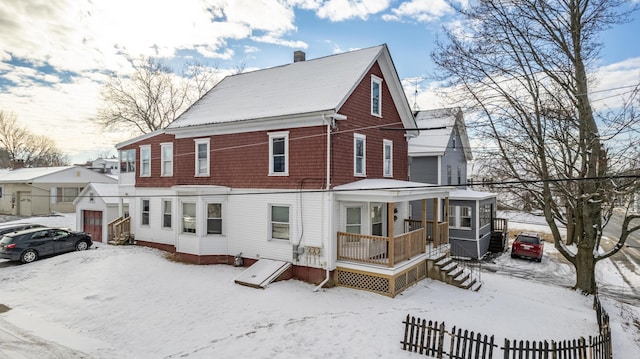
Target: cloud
{"x": 340, "y": 10}
{"x": 420, "y": 10}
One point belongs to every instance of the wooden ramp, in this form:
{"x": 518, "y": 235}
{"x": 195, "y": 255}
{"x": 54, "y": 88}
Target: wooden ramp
{"x": 262, "y": 272}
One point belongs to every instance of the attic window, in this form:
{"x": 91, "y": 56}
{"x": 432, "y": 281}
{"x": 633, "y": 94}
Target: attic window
{"x": 376, "y": 96}
{"x": 91, "y": 197}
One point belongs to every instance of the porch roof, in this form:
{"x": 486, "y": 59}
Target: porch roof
{"x": 388, "y": 190}
{"x": 466, "y": 194}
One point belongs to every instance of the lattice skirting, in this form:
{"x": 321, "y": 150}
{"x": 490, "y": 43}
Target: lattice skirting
{"x": 389, "y": 285}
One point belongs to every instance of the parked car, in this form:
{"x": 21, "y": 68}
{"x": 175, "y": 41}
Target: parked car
{"x": 527, "y": 245}
{"x": 31, "y": 244}
{"x": 15, "y": 227}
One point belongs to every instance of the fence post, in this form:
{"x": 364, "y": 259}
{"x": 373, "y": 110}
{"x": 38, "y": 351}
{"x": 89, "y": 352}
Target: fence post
{"x": 423, "y": 329}
{"x": 506, "y": 348}
{"x": 441, "y": 340}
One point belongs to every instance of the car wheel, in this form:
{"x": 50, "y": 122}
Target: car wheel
{"x": 539, "y": 259}
{"x": 29, "y": 256}
{"x": 513, "y": 255}
{"x": 81, "y": 246}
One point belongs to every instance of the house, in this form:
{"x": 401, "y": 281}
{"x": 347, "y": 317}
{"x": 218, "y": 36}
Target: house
{"x": 440, "y": 155}
{"x": 302, "y": 165}
{"x": 105, "y": 165}
{"x": 44, "y": 190}
{"x": 98, "y": 205}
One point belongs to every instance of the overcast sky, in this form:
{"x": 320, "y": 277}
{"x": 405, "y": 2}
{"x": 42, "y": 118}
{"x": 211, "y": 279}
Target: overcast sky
{"x": 55, "y": 54}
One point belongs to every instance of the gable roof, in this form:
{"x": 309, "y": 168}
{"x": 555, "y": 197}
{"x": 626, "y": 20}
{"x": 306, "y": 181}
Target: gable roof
{"x": 440, "y": 124}
{"x": 108, "y": 192}
{"x": 312, "y": 87}
{"x": 64, "y": 174}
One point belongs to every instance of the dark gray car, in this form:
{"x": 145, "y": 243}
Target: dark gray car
{"x": 15, "y": 227}
{"x": 31, "y": 244}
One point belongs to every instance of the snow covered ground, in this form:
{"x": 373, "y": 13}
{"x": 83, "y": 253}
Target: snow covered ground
{"x": 132, "y": 302}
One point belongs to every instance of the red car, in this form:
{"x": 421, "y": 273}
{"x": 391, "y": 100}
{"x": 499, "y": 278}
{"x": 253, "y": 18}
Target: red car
{"x": 527, "y": 245}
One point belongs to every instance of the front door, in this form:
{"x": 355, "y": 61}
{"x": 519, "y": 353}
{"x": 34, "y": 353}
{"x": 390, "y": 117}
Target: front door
{"x": 92, "y": 224}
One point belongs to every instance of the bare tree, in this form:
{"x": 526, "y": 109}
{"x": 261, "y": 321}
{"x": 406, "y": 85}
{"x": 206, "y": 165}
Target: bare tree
{"x": 525, "y": 66}
{"x": 152, "y": 96}
{"x": 20, "y": 144}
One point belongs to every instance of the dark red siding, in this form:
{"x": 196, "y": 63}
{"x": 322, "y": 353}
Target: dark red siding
{"x": 242, "y": 160}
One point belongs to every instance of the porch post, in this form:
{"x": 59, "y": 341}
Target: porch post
{"x": 390, "y": 232}
{"x": 424, "y": 217}
{"x": 436, "y": 228}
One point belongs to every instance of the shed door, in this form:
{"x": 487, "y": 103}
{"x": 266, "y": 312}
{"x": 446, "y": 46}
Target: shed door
{"x": 24, "y": 204}
{"x": 93, "y": 224}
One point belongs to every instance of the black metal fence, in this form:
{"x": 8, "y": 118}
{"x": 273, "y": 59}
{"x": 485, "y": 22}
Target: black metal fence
{"x": 432, "y": 339}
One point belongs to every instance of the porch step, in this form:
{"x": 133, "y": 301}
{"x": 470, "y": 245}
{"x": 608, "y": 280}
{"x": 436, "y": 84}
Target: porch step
{"x": 447, "y": 270}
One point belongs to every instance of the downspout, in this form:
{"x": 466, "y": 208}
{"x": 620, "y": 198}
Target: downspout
{"x": 329, "y": 207}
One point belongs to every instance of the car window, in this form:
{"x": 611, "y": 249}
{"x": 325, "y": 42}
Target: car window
{"x": 528, "y": 239}
{"x": 6, "y": 240}
{"x": 40, "y": 234}
{"x": 60, "y": 233}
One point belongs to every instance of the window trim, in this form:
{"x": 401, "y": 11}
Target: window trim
{"x": 127, "y": 160}
{"x": 166, "y": 170}
{"x": 142, "y": 212}
{"x": 195, "y": 218}
{"x": 360, "y": 225}
{"x": 221, "y": 218}
{"x": 375, "y": 80}
{"x": 207, "y": 142}
{"x": 358, "y": 137}
{"x": 164, "y": 213}
{"x": 145, "y": 159}
{"x": 387, "y": 164}
{"x": 273, "y": 136}
{"x": 457, "y": 217}
{"x": 271, "y": 222}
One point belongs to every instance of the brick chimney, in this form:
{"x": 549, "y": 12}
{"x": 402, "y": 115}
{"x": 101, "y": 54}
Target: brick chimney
{"x": 16, "y": 164}
{"x": 299, "y": 56}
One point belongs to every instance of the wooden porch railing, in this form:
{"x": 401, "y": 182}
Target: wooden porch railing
{"x": 119, "y": 229}
{"x": 443, "y": 230}
{"x": 377, "y": 250}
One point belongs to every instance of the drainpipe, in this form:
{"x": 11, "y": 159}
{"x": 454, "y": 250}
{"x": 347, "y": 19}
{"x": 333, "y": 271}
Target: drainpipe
{"x": 330, "y": 124}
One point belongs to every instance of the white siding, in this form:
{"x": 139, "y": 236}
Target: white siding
{"x": 154, "y": 231}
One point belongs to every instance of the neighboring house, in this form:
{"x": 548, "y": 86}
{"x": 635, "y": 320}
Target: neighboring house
{"x": 105, "y": 165}
{"x": 439, "y": 155}
{"x": 44, "y": 190}
{"x": 289, "y": 164}
{"x": 96, "y": 206}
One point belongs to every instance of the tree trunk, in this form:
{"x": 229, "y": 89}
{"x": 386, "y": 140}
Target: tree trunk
{"x": 585, "y": 270}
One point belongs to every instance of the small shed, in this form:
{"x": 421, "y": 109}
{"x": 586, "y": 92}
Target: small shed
{"x": 96, "y": 206}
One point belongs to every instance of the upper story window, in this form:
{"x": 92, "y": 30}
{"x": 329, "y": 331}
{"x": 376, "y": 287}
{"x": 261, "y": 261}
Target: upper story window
{"x": 202, "y": 157}
{"x": 359, "y": 155}
{"x": 127, "y": 161}
{"x": 387, "y": 148}
{"x": 376, "y": 96}
{"x": 454, "y": 136}
{"x": 166, "y": 157}
{"x": 459, "y": 175}
{"x": 145, "y": 161}
{"x": 279, "y": 153}
{"x": 448, "y": 174}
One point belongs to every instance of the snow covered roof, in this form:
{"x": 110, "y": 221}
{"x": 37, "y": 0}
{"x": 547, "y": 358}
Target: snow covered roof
{"x": 107, "y": 191}
{"x": 388, "y": 190}
{"x": 438, "y": 126}
{"x": 64, "y": 174}
{"x": 461, "y": 194}
{"x": 300, "y": 88}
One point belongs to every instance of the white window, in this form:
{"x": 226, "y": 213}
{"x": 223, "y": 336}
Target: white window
{"x": 279, "y": 222}
{"x": 387, "y": 151}
{"x": 460, "y": 217}
{"x": 127, "y": 161}
{"x": 376, "y": 96}
{"x": 145, "y": 161}
{"x": 448, "y": 174}
{"x": 202, "y": 157}
{"x": 359, "y": 155}
{"x": 377, "y": 223}
{"x": 145, "y": 208}
{"x": 279, "y": 153}
{"x": 166, "y": 213}
{"x": 166, "y": 159}
{"x": 188, "y": 217}
{"x": 485, "y": 215}
{"x": 214, "y": 218}
{"x": 67, "y": 194}
{"x": 354, "y": 220}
